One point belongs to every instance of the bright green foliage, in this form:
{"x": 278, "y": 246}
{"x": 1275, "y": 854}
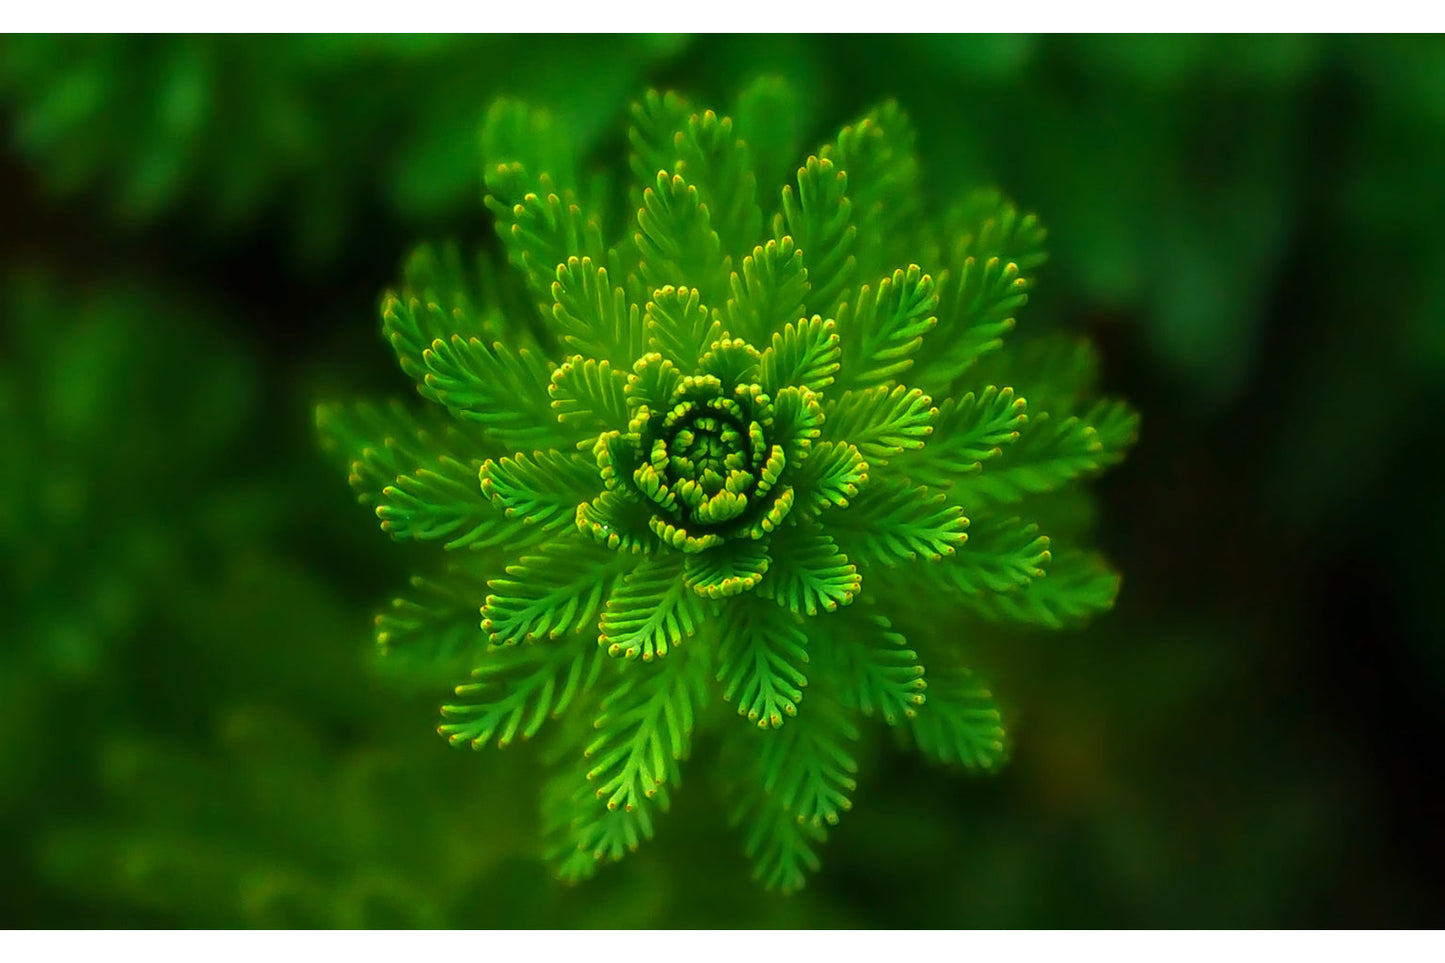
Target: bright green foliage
{"x": 530, "y": 683}
{"x": 962, "y": 725}
{"x": 651, "y": 610}
{"x": 733, "y": 460}
{"x": 762, "y": 662}
{"x": 432, "y": 626}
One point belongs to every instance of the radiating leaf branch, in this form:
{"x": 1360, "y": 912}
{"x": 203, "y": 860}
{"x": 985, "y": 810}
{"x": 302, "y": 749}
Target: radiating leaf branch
{"x": 809, "y": 574}
{"x": 432, "y": 629}
{"x": 891, "y": 521}
{"x": 883, "y": 422}
{"x": 645, "y": 728}
{"x": 804, "y": 353}
{"x": 556, "y": 591}
{"x": 960, "y": 724}
{"x": 809, "y": 765}
{"x": 517, "y": 689}
{"x": 590, "y": 395}
{"x": 868, "y": 664}
{"x": 1077, "y": 586}
{"x": 761, "y": 663}
{"x": 677, "y": 242}
{"x": 968, "y": 432}
{"x": 1052, "y": 452}
{"x": 652, "y": 610}
{"x": 595, "y": 316}
{"x": 819, "y": 219}
{"x": 881, "y": 329}
{"x": 768, "y": 292}
{"x": 878, "y": 155}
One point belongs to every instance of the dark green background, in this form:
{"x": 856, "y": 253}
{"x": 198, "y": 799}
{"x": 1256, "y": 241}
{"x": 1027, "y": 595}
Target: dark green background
{"x": 193, "y": 731}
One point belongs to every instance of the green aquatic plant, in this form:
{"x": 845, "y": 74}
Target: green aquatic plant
{"x": 718, "y": 453}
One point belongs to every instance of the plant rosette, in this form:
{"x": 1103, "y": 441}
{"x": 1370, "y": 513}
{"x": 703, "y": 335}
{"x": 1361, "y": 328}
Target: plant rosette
{"x": 727, "y": 455}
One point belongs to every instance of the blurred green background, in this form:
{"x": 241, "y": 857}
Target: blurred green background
{"x": 194, "y": 731}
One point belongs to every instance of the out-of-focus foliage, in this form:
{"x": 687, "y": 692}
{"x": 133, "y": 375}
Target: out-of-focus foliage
{"x": 310, "y": 129}
{"x": 101, "y": 502}
{"x": 189, "y": 730}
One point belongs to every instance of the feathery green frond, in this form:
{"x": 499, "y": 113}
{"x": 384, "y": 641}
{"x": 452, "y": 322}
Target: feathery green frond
{"x": 541, "y": 490}
{"x": 617, "y": 520}
{"x": 819, "y": 219}
{"x": 517, "y": 689}
{"x": 433, "y": 627}
{"x": 444, "y": 502}
{"x": 593, "y": 314}
{"x": 985, "y": 224}
{"x": 781, "y": 848}
{"x": 412, "y": 326}
{"x": 992, "y": 257}
{"x": 877, "y": 154}
{"x": 652, "y": 383}
{"x": 483, "y": 299}
{"x": 645, "y": 729}
{"x": 967, "y": 432}
{"x": 809, "y": 574}
{"x": 456, "y": 300}
{"x": 768, "y": 292}
{"x": 761, "y": 662}
{"x": 1062, "y": 372}
{"x": 1001, "y": 554}
{"x": 651, "y": 610}
{"x": 873, "y": 671}
{"x": 981, "y": 299}
{"x": 805, "y": 353}
{"x": 542, "y": 229}
{"x": 891, "y": 521}
{"x": 808, "y": 764}
{"x": 882, "y": 422}
{"x": 1077, "y": 586}
{"x": 992, "y": 254}
{"x": 1052, "y": 452}
{"x": 960, "y": 724}
{"x": 581, "y": 832}
{"x": 712, "y": 157}
{"x": 679, "y": 326}
{"x": 729, "y": 570}
{"x": 503, "y": 391}
{"x": 557, "y": 591}
{"x": 656, "y": 120}
{"x": 676, "y": 239}
{"x": 798, "y": 420}
{"x": 590, "y": 394}
{"x": 731, "y": 360}
{"x": 376, "y": 443}
{"x": 833, "y": 474}
{"x": 881, "y": 329}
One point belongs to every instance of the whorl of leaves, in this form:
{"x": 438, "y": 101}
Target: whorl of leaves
{"x": 723, "y": 449}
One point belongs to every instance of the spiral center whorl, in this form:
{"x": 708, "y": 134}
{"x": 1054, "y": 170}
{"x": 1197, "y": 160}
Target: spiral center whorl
{"x": 704, "y": 457}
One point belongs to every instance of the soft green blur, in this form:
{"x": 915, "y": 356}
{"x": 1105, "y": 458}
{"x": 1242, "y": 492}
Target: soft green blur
{"x": 194, "y": 730}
